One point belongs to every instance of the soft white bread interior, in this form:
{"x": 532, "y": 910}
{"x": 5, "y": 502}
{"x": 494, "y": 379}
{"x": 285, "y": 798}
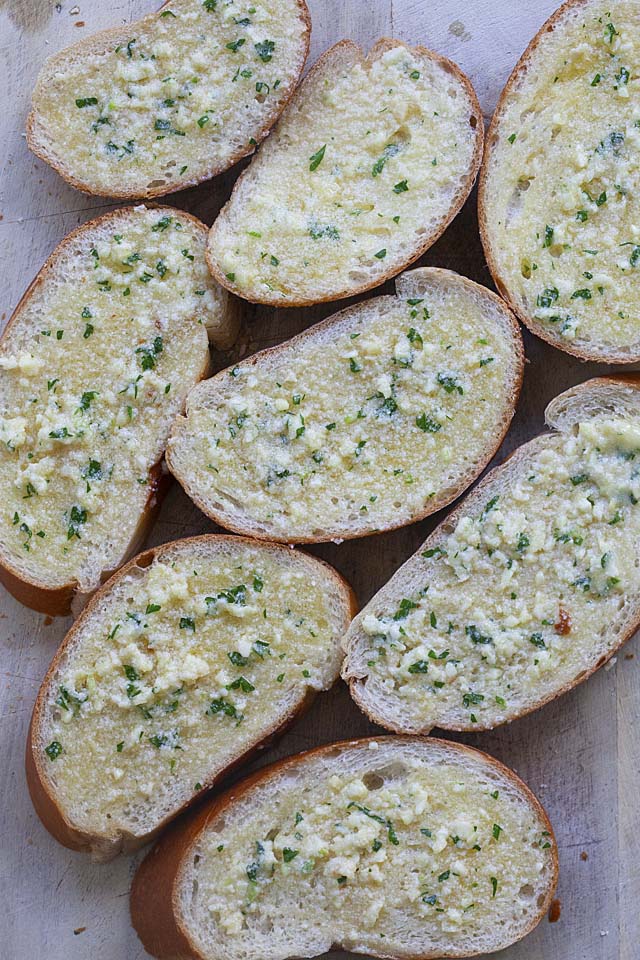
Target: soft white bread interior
{"x": 374, "y": 418}
{"x": 397, "y": 847}
{"x": 94, "y": 365}
{"x": 371, "y": 160}
{"x": 559, "y": 197}
{"x": 186, "y": 661}
{"x": 529, "y": 586}
{"x": 170, "y": 100}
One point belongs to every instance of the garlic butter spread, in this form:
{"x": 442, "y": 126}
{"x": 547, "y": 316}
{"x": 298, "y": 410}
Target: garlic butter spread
{"x": 563, "y": 187}
{"x": 524, "y": 594}
{"x": 182, "y": 668}
{"x": 93, "y": 369}
{"x": 356, "y": 427}
{"x": 185, "y": 89}
{"x": 343, "y": 188}
{"x": 359, "y": 855}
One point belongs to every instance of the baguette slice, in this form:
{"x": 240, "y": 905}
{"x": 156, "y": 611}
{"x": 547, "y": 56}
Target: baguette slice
{"x": 171, "y": 100}
{"x": 186, "y": 662}
{"x": 94, "y": 365}
{"x": 350, "y": 845}
{"x": 528, "y": 587}
{"x": 559, "y": 197}
{"x": 367, "y": 167}
{"x": 372, "y": 419}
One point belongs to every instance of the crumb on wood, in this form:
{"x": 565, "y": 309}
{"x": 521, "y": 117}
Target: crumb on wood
{"x": 555, "y": 909}
{"x": 627, "y": 656}
{"x": 74, "y": 11}
{"x": 79, "y": 930}
{"x": 584, "y": 855}
{"x": 47, "y": 621}
{"x": 79, "y": 23}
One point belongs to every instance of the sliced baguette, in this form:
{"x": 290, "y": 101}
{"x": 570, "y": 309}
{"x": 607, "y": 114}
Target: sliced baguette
{"x": 370, "y": 420}
{"x": 191, "y": 658}
{"x": 528, "y": 587}
{"x": 560, "y": 184}
{"x": 95, "y": 364}
{"x": 171, "y": 100}
{"x": 370, "y": 162}
{"x": 350, "y": 846}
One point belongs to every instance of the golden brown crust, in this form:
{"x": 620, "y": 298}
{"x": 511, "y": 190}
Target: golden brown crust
{"x": 175, "y": 185}
{"x": 155, "y": 911}
{"x": 376, "y": 51}
{"x": 356, "y": 684}
{"x": 43, "y": 798}
{"x": 35, "y": 594}
{"x": 491, "y": 143}
{"x": 435, "y": 503}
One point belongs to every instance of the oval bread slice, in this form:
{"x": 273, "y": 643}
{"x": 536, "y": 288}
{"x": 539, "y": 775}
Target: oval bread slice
{"x": 560, "y": 185}
{"x": 187, "y": 661}
{"x": 372, "y": 419}
{"x": 365, "y": 170}
{"x": 94, "y": 365}
{"x": 397, "y": 847}
{"x": 170, "y": 100}
{"x": 528, "y": 587}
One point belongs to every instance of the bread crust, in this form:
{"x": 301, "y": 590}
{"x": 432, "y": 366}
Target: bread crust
{"x": 33, "y": 593}
{"x": 381, "y": 46}
{"x": 435, "y": 503}
{"x": 356, "y": 684}
{"x": 115, "y": 33}
{"x": 491, "y": 143}
{"x": 43, "y": 798}
{"x": 154, "y": 902}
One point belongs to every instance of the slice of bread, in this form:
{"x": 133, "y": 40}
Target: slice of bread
{"x": 186, "y": 662}
{"x": 95, "y": 363}
{"x": 370, "y": 162}
{"x": 372, "y": 419}
{"x": 170, "y": 100}
{"x": 528, "y": 587}
{"x": 559, "y": 198}
{"x": 397, "y": 848}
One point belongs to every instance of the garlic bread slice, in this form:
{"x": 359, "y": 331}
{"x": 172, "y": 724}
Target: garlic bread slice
{"x": 559, "y": 197}
{"x": 187, "y": 661}
{"x": 528, "y": 587}
{"x": 94, "y": 365}
{"x": 370, "y": 162}
{"x": 396, "y": 848}
{"x": 374, "y": 418}
{"x": 175, "y": 98}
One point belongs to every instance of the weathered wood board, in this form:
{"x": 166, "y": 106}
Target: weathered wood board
{"x": 580, "y": 754}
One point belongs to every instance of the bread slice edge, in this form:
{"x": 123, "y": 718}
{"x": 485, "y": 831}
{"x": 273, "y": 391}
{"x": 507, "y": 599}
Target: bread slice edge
{"x": 376, "y": 51}
{"x": 155, "y": 898}
{"x": 561, "y": 410}
{"x": 183, "y": 183}
{"x": 43, "y": 797}
{"x": 403, "y": 289}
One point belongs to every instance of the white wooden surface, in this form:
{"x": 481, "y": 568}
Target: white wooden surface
{"x": 581, "y": 755}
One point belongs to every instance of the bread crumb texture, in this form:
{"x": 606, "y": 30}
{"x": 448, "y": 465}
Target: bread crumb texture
{"x": 94, "y": 367}
{"x": 172, "y": 99}
{"x": 375, "y": 418}
{"x": 563, "y": 183}
{"x": 396, "y": 851}
{"x": 363, "y": 169}
{"x": 532, "y": 587}
{"x": 182, "y": 667}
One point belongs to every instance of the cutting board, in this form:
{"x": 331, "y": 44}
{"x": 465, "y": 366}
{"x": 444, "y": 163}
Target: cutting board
{"x": 580, "y": 754}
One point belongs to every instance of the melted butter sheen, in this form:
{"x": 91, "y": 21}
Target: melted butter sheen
{"x": 563, "y": 189}
{"x": 180, "y": 671}
{"x": 92, "y": 372}
{"x": 439, "y": 845}
{"x": 357, "y": 429}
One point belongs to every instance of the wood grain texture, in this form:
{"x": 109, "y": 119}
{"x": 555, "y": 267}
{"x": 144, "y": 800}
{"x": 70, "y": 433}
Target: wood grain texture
{"x": 581, "y": 754}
